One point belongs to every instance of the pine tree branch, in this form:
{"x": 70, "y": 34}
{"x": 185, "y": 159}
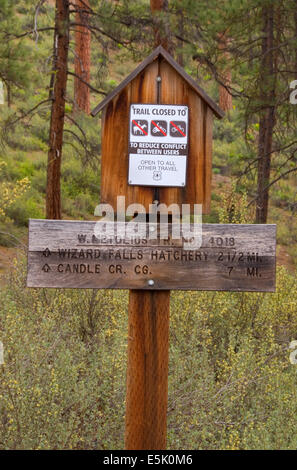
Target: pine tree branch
{"x": 11, "y": 123}
{"x": 27, "y": 33}
{"x": 77, "y": 125}
{"x": 273, "y": 182}
{"x": 100, "y": 92}
{"x": 78, "y": 139}
{"x": 93, "y": 28}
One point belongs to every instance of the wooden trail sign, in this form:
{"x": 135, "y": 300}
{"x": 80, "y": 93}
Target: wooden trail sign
{"x": 156, "y": 149}
{"x": 80, "y": 254}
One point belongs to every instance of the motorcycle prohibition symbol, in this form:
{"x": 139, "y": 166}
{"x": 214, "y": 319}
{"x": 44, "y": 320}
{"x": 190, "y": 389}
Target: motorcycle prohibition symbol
{"x": 157, "y": 129}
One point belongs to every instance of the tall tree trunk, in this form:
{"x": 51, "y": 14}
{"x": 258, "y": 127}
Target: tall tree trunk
{"x": 295, "y": 19}
{"x": 53, "y": 190}
{"x": 225, "y": 98}
{"x": 267, "y": 116}
{"x": 181, "y": 30}
{"x": 82, "y": 57}
{"x": 162, "y": 34}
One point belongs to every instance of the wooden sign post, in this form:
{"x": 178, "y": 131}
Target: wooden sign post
{"x": 156, "y": 149}
{"x": 159, "y": 80}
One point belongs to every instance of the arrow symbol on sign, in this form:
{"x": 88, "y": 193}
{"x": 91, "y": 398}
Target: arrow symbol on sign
{"x": 46, "y": 252}
{"x": 46, "y": 268}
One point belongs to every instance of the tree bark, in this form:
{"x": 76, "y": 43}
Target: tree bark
{"x": 295, "y": 19}
{"x": 225, "y": 98}
{"x": 180, "y": 56}
{"x": 267, "y": 115}
{"x": 162, "y": 34}
{"x": 61, "y": 40}
{"x": 82, "y": 57}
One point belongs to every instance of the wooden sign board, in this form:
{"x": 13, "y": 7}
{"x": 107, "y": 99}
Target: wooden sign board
{"x": 158, "y": 145}
{"x": 79, "y": 254}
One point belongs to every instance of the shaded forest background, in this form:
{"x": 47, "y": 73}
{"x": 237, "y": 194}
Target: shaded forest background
{"x": 63, "y": 382}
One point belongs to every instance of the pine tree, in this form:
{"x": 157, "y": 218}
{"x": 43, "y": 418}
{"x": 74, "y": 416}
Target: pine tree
{"x": 61, "y": 41}
{"x": 267, "y": 114}
{"x": 260, "y": 49}
{"x": 14, "y": 55}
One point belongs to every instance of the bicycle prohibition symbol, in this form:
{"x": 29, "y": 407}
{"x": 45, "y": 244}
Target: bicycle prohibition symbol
{"x": 178, "y": 129}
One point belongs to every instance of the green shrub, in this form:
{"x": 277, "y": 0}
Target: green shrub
{"x": 62, "y": 385}
{"x": 25, "y": 208}
{"x": 231, "y": 385}
{"x": 38, "y": 181}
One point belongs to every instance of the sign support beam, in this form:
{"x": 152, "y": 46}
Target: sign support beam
{"x": 147, "y": 371}
{"x": 147, "y": 367}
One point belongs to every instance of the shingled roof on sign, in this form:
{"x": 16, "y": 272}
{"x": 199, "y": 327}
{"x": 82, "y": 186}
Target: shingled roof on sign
{"x": 160, "y": 51}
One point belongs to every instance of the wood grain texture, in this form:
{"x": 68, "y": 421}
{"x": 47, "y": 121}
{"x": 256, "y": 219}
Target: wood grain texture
{"x": 115, "y": 125}
{"x": 232, "y": 257}
{"x": 147, "y": 370}
{"x": 115, "y": 120}
{"x": 208, "y": 133}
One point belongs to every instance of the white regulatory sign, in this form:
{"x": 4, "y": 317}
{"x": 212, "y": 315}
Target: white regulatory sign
{"x": 158, "y": 144}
